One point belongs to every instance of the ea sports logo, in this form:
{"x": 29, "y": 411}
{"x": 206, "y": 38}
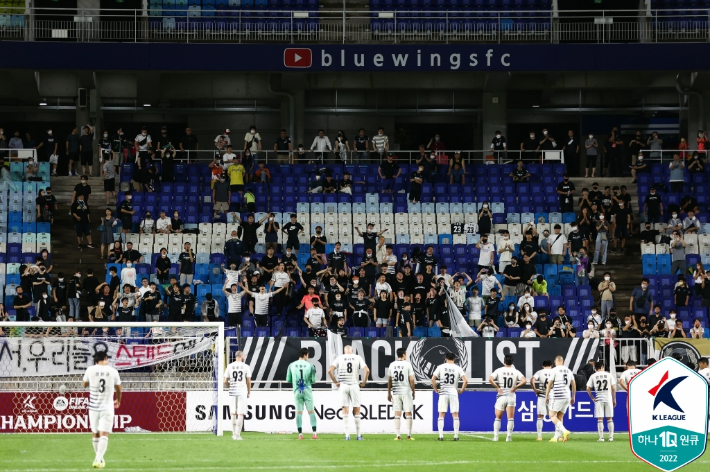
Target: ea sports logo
{"x": 60, "y": 403}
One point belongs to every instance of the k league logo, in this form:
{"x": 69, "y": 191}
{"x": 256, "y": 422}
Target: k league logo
{"x": 668, "y": 414}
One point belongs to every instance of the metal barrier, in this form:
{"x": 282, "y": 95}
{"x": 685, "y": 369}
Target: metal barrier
{"x": 350, "y": 26}
{"x": 631, "y": 349}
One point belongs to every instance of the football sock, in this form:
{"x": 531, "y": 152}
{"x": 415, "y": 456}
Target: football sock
{"x": 357, "y": 424}
{"x": 456, "y": 427}
{"x": 539, "y": 427}
{"x": 558, "y": 431}
{"x": 101, "y": 448}
{"x": 397, "y": 422}
{"x": 496, "y": 427}
{"x": 511, "y": 426}
{"x": 96, "y": 444}
{"x": 562, "y": 427}
{"x": 600, "y": 429}
{"x": 440, "y": 425}
{"x": 240, "y": 422}
{"x": 299, "y": 422}
{"x": 345, "y": 424}
{"x": 234, "y": 425}
{"x": 409, "y": 426}
{"x": 610, "y": 425}
{"x": 312, "y": 416}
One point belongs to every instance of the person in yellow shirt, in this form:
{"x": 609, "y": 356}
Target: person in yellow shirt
{"x": 236, "y": 178}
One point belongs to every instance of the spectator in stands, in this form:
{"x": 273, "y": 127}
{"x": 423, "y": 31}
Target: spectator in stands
{"x": 131, "y": 254}
{"x": 661, "y": 328}
{"x": 389, "y": 171}
{"x": 511, "y": 317}
{"x": 606, "y": 294}
{"x": 82, "y": 215}
{"x": 681, "y": 293}
{"x": 126, "y": 213}
{"x": 221, "y": 142}
{"x": 457, "y": 159}
{"x": 698, "y": 276}
{"x": 82, "y": 188}
{"x": 73, "y": 294}
{"x": 595, "y": 317}
{"x": 591, "y": 332}
{"x": 527, "y": 314}
{"x": 41, "y": 281}
{"x": 691, "y": 225}
{"x": 677, "y": 330}
{"x": 86, "y": 149}
{"x": 128, "y": 275}
{"x": 636, "y": 145}
{"x": 236, "y": 173}
{"x": 547, "y": 143}
{"x": 262, "y": 174}
{"x": 108, "y": 221}
{"x": 176, "y": 223}
{"x": 143, "y": 144}
{"x": 609, "y": 333}
{"x": 653, "y": 206}
{"x": 228, "y": 158}
{"x": 613, "y": 154}
{"x": 520, "y": 174}
{"x": 15, "y": 143}
{"x": 488, "y": 328}
{"x": 318, "y": 243}
{"x": 380, "y": 142}
{"x": 529, "y": 147}
{"x": 233, "y": 249}
{"x": 162, "y": 266}
{"x": 485, "y": 219}
{"x": 20, "y": 304}
{"x": 542, "y": 326}
{"x": 361, "y": 145}
{"x": 697, "y": 331}
{"x": 641, "y": 301}
{"x": 488, "y": 284}
{"x": 457, "y": 175}
{"x": 164, "y": 139}
{"x": 580, "y": 260}
{"x": 487, "y": 254}
{"x": 329, "y": 184}
{"x": 321, "y": 145}
{"x": 558, "y": 245}
{"x": 528, "y": 332}
{"x": 506, "y": 260}
{"x": 565, "y": 190}
{"x": 655, "y": 144}
{"x": 677, "y": 248}
{"x": 677, "y": 166}
{"x": 189, "y": 143}
{"x": 702, "y": 141}
{"x": 475, "y": 306}
{"x": 436, "y": 144}
{"x": 336, "y": 259}
{"x": 186, "y": 261}
{"x": 221, "y": 195}
{"x": 629, "y": 330}
{"x": 571, "y": 148}
{"x": 162, "y": 224}
{"x": 623, "y": 221}
{"x": 592, "y": 147}
{"x": 498, "y": 145}
{"x": 539, "y": 287}
{"x": 293, "y": 230}
{"x": 558, "y": 330}
{"x": 252, "y": 145}
{"x": 249, "y": 229}
{"x": 689, "y": 203}
{"x": 600, "y": 248}
{"x": 428, "y": 160}
{"x": 342, "y": 148}
{"x": 415, "y": 184}
{"x": 147, "y": 225}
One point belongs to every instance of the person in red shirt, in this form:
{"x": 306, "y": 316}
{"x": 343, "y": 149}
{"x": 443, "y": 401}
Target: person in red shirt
{"x": 683, "y": 147}
{"x": 702, "y": 141}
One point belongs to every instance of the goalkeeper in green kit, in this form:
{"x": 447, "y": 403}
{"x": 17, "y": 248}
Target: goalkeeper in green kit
{"x": 302, "y": 374}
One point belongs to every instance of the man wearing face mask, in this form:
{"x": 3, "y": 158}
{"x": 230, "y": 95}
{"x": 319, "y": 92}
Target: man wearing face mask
{"x": 623, "y": 220}
{"x": 602, "y": 242}
{"x": 565, "y": 190}
{"x": 498, "y": 144}
{"x": 547, "y": 143}
{"x": 641, "y": 301}
{"x": 677, "y": 248}
{"x": 487, "y": 254}
{"x": 691, "y": 224}
{"x": 592, "y": 147}
{"x": 252, "y": 143}
{"x": 530, "y": 147}
{"x": 162, "y": 266}
{"x": 520, "y": 174}
{"x": 233, "y": 249}
{"x": 143, "y": 144}
{"x": 49, "y": 146}
{"x": 606, "y": 293}
{"x": 655, "y": 144}
{"x": 681, "y": 293}
{"x": 380, "y": 142}
{"x": 369, "y": 238}
{"x": 82, "y": 221}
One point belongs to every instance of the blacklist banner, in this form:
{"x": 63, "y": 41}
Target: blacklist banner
{"x": 478, "y": 357}
{"x": 34, "y": 357}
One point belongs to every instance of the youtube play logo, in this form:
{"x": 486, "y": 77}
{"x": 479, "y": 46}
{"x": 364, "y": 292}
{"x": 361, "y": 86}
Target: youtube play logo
{"x": 298, "y": 57}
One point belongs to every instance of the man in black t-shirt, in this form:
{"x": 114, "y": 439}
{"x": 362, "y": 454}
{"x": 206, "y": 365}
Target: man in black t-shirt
{"x": 360, "y": 308}
{"x": 49, "y": 146}
{"x": 565, "y": 190}
{"x": 187, "y": 268}
{"x": 189, "y": 301}
{"x": 292, "y": 230}
{"x": 361, "y": 144}
{"x": 653, "y": 207}
{"x": 369, "y": 263}
{"x": 125, "y": 214}
{"x": 490, "y": 308}
{"x": 82, "y": 188}
{"x": 512, "y": 277}
{"x": 81, "y": 214}
{"x": 369, "y": 238}
{"x": 20, "y": 304}
{"x": 86, "y": 148}
{"x": 575, "y": 239}
{"x": 530, "y": 147}
{"x": 527, "y": 270}
{"x": 283, "y": 147}
{"x": 415, "y": 184}
{"x": 269, "y": 263}
{"x": 622, "y": 219}
{"x": 389, "y": 171}
{"x": 336, "y": 259}
{"x": 520, "y": 174}
{"x": 595, "y": 196}
{"x": 542, "y": 326}
{"x": 498, "y": 143}
{"x": 648, "y": 235}
{"x": 131, "y": 254}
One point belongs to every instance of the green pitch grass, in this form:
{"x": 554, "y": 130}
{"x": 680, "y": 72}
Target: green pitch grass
{"x": 182, "y": 452}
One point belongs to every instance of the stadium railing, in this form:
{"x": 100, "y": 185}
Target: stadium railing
{"x": 380, "y": 24}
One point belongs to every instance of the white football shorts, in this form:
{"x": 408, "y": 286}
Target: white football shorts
{"x": 402, "y": 402}
{"x": 560, "y": 406}
{"x": 101, "y": 421}
{"x": 240, "y": 404}
{"x": 350, "y": 395}
{"x": 603, "y": 409}
{"x": 505, "y": 401}
{"x": 450, "y": 402}
{"x": 541, "y": 406}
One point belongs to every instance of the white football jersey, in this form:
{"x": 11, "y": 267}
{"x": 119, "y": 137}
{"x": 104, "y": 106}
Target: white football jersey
{"x": 232, "y": 278}
{"x": 234, "y": 302}
{"x": 561, "y": 378}
{"x": 261, "y": 303}
{"x": 601, "y": 383}
{"x": 541, "y": 377}
{"x": 102, "y": 380}
{"x": 237, "y": 374}
{"x": 348, "y": 367}
{"x": 400, "y": 372}
{"x": 448, "y": 376}
{"x": 507, "y": 378}
{"x": 627, "y": 375}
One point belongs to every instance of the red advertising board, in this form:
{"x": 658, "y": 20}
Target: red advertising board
{"x": 46, "y": 412}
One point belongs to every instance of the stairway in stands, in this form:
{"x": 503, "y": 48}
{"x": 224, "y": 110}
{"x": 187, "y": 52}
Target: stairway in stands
{"x": 626, "y": 270}
{"x": 66, "y": 256}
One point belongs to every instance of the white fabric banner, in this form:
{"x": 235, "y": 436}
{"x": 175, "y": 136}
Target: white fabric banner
{"x": 34, "y": 357}
{"x": 459, "y": 327}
